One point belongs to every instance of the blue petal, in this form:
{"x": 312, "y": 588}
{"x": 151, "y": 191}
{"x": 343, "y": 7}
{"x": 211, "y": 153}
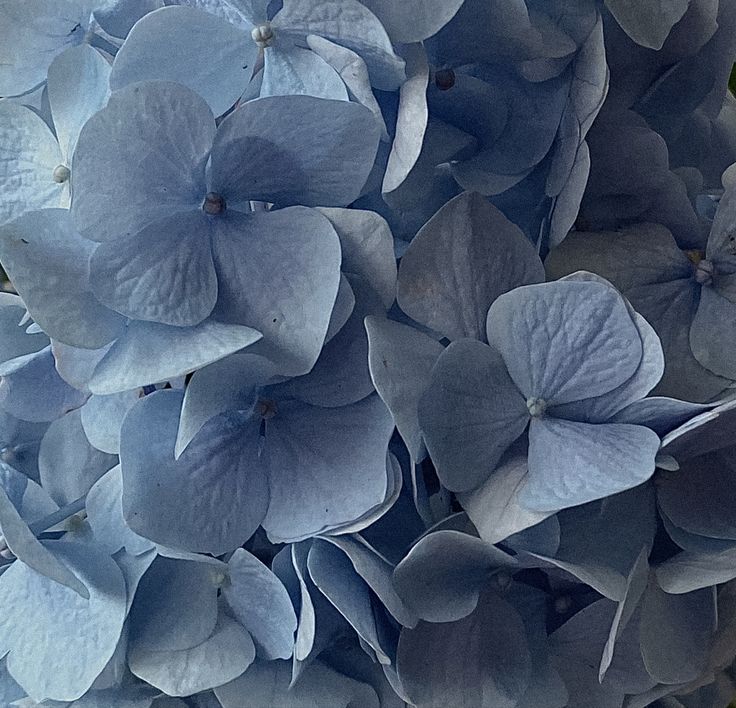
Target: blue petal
{"x": 148, "y": 353}
{"x": 327, "y": 466}
{"x": 648, "y": 24}
{"x": 470, "y": 414}
{"x": 262, "y": 605}
{"x": 573, "y": 463}
{"x": 48, "y": 262}
{"x": 291, "y": 70}
{"x": 165, "y": 273}
{"x": 413, "y": 20}
{"x": 466, "y": 255}
{"x": 222, "y": 657}
{"x": 211, "y": 499}
{"x": 295, "y": 150}
{"x": 139, "y": 159}
{"x": 565, "y": 341}
{"x": 14, "y": 341}
{"x": 102, "y": 417}
{"x": 279, "y": 273}
{"x": 78, "y": 641}
{"x": 188, "y": 46}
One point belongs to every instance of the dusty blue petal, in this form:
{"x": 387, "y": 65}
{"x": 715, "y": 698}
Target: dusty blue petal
{"x": 704, "y": 433}
{"x": 104, "y": 506}
{"x": 660, "y": 414}
{"x": 494, "y": 507}
{"x": 15, "y": 342}
{"x": 483, "y": 660}
{"x": 117, "y": 17}
{"x": 351, "y": 24}
{"x": 291, "y": 70}
{"x": 148, "y": 353}
{"x": 327, "y": 466}
{"x": 340, "y": 376}
{"x": 443, "y": 575}
{"x": 401, "y": 360}
{"x": 268, "y": 684}
{"x": 77, "y": 641}
{"x": 712, "y": 331}
{"x": 222, "y": 657}
{"x": 34, "y": 32}
{"x": 367, "y": 248}
{"x": 191, "y": 47}
{"x": 565, "y": 341}
{"x": 648, "y": 24}
{"x": 35, "y": 392}
{"x": 279, "y": 273}
{"x": 261, "y": 604}
{"x": 573, "y": 463}
{"x": 78, "y": 87}
{"x": 102, "y": 417}
{"x": 460, "y": 262}
{"x": 414, "y": 20}
{"x": 689, "y": 571}
{"x": 295, "y": 150}
{"x": 470, "y": 414}
{"x": 68, "y": 464}
{"x": 48, "y": 262}
{"x": 30, "y": 155}
{"x": 230, "y": 384}
{"x": 165, "y": 273}
{"x": 218, "y": 475}
{"x": 676, "y": 633}
{"x": 139, "y": 159}
{"x": 175, "y": 606}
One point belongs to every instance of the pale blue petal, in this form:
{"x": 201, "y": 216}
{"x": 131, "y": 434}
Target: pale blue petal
{"x": 149, "y": 353}
{"x": 413, "y": 20}
{"x": 659, "y": 413}
{"x": 35, "y": 392}
{"x": 342, "y": 309}
{"x": 102, "y": 417}
{"x": 222, "y": 657}
{"x": 75, "y": 365}
{"x": 30, "y": 155}
{"x": 34, "y": 32}
{"x": 230, "y": 384}
{"x": 573, "y": 463}
{"x": 351, "y": 24}
{"x": 48, "y": 262}
{"x": 291, "y": 70}
{"x": 444, "y": 574}
{"x": 483, "y": 660}
{"x": 495, "y": 508}
{"x": 565, "y": 341}
{"x": 104, "y": 506}
{"x": 188, "y": 46}
{"x": 139, "y": 159}
{"x": 367, "y": 248}
{"x": 78, "y": 87}
{"x": 117, "y": 17}
{"x": 218, "y": 478}
{"x": 295, "y": 150}
{"x": 466, "y": 255}
{"x": 470, "y": 414}
{"x": 283, "y": 283}
{"x": 262, "y": 605}
{"x": 45, "y": 624}
{"x": 649, "y": 23}
{"x": 165, "y": 273}
{"x": 327, "y": 466}
{"x": 411, "y": 119}
{"x": 712, "y": 332}
{"x": 175, "y": 606}
{"x": 268, "y": 684}
{"x": 15, "y": 342}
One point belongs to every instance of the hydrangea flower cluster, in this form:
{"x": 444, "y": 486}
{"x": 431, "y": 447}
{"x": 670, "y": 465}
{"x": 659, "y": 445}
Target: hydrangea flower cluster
{"x": 367, "y": 353}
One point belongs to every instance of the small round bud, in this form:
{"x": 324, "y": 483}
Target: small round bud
{"x": 262, "y": 35}
{"x": 213, "y": 204}
{"x": 444, "y": 79}
{"x": 563, "y": 604}
{"x": 8, "y": 454}
{"x": 704, "y": 271}
{"x": 220, "y": 578}
{"x": 536, "y": 407}
{"x": 61, "y": 174}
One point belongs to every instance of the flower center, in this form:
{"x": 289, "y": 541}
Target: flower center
{"x": 536, "y": 407}
{"x": 262, "y": 35}
{"x": 213, "y": 204}
{"x": 444, "y": 79}
{"x": 704, "y": 271}
{"x": 61, "y": 174}
{"x": 266, "y": 408}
